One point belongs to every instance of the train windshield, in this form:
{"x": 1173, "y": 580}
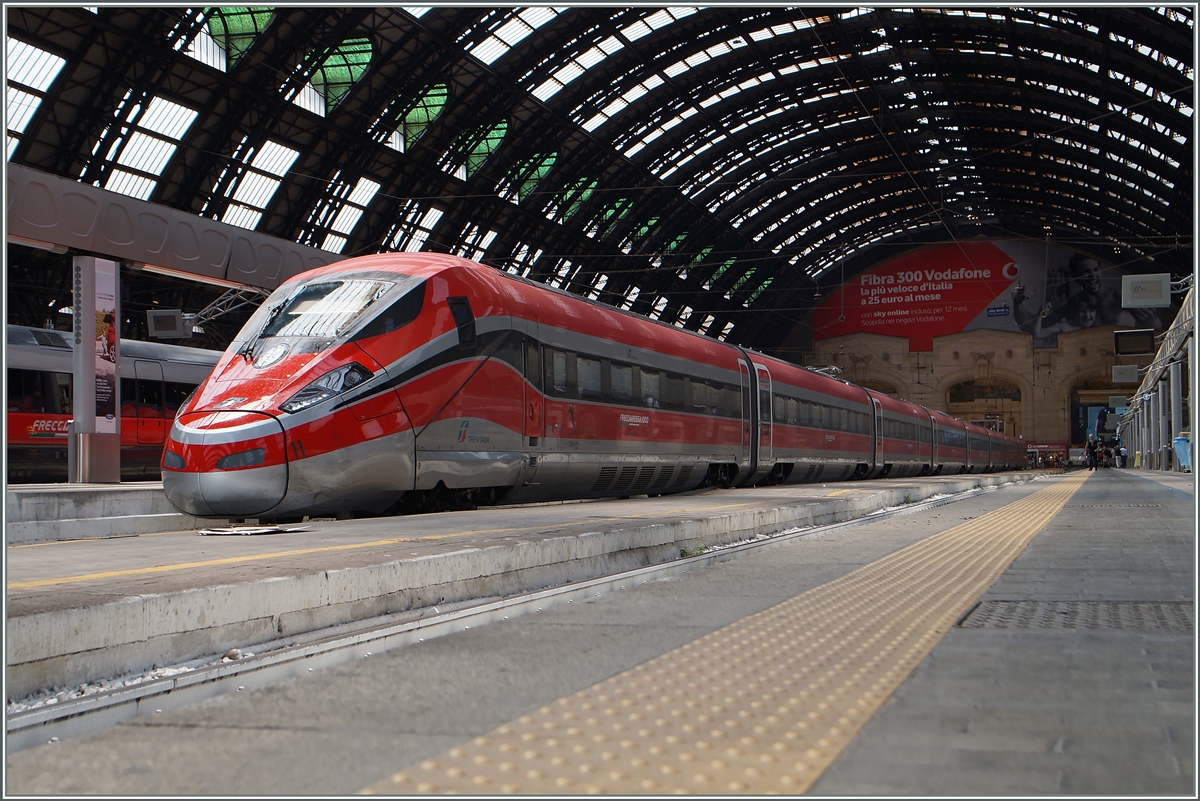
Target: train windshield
{"x": 324, "y": 309}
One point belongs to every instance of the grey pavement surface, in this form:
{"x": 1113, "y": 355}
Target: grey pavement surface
{"x": 1054, "y": 710}
{"x": 988, "y": 711}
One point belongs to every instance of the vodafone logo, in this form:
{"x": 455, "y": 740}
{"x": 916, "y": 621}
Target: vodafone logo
{"x": 1010, "y": 270}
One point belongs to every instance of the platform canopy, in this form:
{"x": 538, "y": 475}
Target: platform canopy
{"x": 716, "y": 168}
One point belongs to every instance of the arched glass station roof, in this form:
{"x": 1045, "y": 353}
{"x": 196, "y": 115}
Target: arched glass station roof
{"x": 714, "y": 168}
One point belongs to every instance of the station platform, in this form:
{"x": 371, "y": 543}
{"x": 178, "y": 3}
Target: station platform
{"x": 1037, "y": 639}
{"x": 88, "y": 609}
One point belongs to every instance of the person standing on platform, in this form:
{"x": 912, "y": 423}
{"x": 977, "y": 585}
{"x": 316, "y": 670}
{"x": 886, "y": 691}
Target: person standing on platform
{"x": 1090, "y": 451}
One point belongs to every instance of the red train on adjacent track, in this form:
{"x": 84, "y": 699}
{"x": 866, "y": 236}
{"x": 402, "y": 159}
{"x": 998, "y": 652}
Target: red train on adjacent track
{"x": 423, "y": 381}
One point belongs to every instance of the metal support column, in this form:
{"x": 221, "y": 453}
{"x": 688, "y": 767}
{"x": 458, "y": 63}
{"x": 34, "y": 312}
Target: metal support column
{"x": 1164, "y": 430}
{"x": 1176, "y": 423}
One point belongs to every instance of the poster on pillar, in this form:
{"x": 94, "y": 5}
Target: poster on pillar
{"x": 1023, "y": 287}
{"x": 107, "y": 345}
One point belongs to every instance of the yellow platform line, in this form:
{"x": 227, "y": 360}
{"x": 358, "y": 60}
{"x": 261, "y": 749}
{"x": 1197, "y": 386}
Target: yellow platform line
{"x": 762, "y": 705}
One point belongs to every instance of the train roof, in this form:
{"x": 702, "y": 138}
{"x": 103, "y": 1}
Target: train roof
{"x": 26, "y": 336}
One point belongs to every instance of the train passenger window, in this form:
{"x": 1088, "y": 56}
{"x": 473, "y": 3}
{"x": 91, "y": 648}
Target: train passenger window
{"x": 844, "y": 419}
{"x": 673, "y": 397}
{"x": 588, "y": 371}
{"x": 793, "y": 416}
{"x": 149, "y": 398}
{"x": 705, "y": 398}
{"x": 621, "y": 376}
{"x": 129, "y": 397}
{"x": 556, "y": 369}
{"x": 509, "y": 351}
{"x": 651, "y": 390}
{"x": 780, "y": 409}
{"x": 802, "y": 413}
{"x": 62, "y": 386}
{"x": 39, "y": 391}
{"x": 733, "y": 401}
{"x": 175, "y": 395}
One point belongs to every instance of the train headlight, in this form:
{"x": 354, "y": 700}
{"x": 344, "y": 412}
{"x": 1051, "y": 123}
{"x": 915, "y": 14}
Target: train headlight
{"x": 248, "y": 458}
{"x": 327, "y": 386}
{"x": 172, "y": 460}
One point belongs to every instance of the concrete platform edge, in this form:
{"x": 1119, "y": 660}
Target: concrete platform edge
{"x": 69, "y": 647}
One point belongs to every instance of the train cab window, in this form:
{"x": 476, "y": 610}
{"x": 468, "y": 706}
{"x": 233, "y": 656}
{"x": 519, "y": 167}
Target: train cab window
{"x": 621, "y": 376}
{"x": 651, "y": 388}
{"x": 464, "y": 320}
{"x": 556, "y": 373}
{"x": 324, "y": 309}
{"x": 588, "y": 371}
{"x": 673, "y": 393}
{"x": 396, "y": 316}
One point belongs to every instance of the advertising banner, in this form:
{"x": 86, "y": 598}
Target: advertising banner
{"x": 1003, "y": 286}
{"x": 107, "y": 343}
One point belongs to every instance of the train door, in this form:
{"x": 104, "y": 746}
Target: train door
{"x": 877, "y": 450}
{"x": 766, "y": 436}
{"x": 533, "y": 410}
{"x": 151, "y": 420}
{"x": 746, "y": 415}
{"x": 532, "y": 358}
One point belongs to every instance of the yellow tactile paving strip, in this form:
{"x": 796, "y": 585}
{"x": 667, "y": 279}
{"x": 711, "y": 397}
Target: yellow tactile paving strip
{"x": 762, "y": 705}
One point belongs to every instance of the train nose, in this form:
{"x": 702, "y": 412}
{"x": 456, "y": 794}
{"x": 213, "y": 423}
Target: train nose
{"x": 225, "y": 464}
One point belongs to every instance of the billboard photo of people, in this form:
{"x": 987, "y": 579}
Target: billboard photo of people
{"x": 1074, "y": 296}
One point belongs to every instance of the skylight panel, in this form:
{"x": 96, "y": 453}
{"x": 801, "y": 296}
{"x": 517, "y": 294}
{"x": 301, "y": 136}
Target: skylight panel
{"x": 274, "y": 158}
{"x": 31, "y": 66}
{"x": 511, "y": 33}
{"x": 126, "y": 183}
{"x": 20, "y": 108}
{"x": 416, "y": 11}
{"x": 169, "y": 119}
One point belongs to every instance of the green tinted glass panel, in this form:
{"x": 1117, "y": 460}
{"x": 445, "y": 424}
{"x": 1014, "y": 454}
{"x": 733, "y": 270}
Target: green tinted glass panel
{"x": 613, "y": 214}
{"x": 676, "y": 242}
{"x": 701, "y": 256}
{"x": 644, "y": 229}
{"x": 530, "y": 173}
{"x": 344, "y": 65}
{"x": 765, "y": 284}
{"x": 427, "y": 109}
{"x": 741, "y": 282}
{"x": 721, "y": 270}
{"x": 485, "y": 145}
{"x": 576, "y": 195}
{"x": 235, "y": 29}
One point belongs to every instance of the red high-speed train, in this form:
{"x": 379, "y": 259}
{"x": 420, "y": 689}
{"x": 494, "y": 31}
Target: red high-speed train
{"x": 423, "y": 381}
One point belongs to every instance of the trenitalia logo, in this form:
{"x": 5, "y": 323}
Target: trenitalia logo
{"x": 462, "y": 430}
